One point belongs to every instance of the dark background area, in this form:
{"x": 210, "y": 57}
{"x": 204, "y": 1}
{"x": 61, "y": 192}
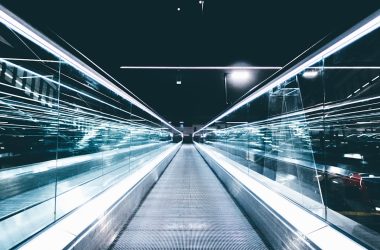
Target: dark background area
{"x": 155, "y": 33}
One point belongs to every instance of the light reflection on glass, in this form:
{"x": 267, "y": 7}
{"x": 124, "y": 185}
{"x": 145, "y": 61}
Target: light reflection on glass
{"x": 315, "y": 138}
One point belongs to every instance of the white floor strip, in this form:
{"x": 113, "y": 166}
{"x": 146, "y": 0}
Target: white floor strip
{"x": 66, "y": 230}
{"x": 312, "y": 227}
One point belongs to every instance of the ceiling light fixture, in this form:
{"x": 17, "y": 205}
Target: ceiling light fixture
{"x": 201, "y": 2}
{"x": 240, "y": 76}
{"x": 179, "y": 78}
{"x": 310, "y": 73}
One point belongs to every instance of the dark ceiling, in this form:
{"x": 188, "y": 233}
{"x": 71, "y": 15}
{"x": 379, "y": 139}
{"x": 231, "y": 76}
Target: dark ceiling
{"x": 140, "y": 32}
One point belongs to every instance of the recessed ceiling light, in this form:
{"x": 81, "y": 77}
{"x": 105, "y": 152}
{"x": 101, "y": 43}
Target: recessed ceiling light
{"x": 310, "y": 73}
{"x": 240, "y": 76}
{"x": 179, "y": 82}
{"x": 178, "y": 9}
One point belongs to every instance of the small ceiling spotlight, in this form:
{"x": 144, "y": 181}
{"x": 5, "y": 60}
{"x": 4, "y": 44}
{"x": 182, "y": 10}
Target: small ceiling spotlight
{"x": 178, "y": 9}
{"x": 310, "y": 73}
{"x": 201, "y": 2}
{"x": 179, "y": 78}
{"x": 240, "y": 76}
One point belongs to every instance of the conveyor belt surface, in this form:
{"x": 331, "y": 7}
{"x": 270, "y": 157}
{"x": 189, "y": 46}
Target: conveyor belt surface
{"x": 188, "y": 208}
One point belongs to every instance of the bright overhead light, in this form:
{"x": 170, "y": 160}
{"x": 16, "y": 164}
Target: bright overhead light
{"x": 240, "y": 76}
{"x": 353, "y": 156}
{"x": 310, "y": 73}
{"x": 179, "y": 82}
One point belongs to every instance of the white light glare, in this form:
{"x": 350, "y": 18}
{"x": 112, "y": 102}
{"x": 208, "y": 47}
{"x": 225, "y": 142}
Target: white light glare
{"x": 365, "y": 85}
{"x": 179, "y": 82}
{"x": 310, "y": 73}
{"x": 240, "y": 76}
{"x": 354, "y": 156}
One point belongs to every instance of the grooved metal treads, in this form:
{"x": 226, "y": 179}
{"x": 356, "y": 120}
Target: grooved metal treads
{"x": 188, "y": 208}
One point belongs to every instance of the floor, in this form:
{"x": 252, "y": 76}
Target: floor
{"x": 188, "y": 208}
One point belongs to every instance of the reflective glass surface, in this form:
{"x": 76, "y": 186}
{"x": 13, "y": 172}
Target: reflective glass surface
{"x": 64, "y": 138}
{"x": 314, "y": 138}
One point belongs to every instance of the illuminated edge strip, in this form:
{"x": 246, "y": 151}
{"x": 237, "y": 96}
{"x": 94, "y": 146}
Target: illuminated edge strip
{"x": 315, "y": 229}
{"x": 62, "y": 233}
{"x": 18, "y": 25}
{"x": 30, "y": 60}
{"x": 354, "y": 35}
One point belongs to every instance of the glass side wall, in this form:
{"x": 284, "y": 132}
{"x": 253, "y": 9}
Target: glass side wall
{"x": 64, "y": 138}
{"x": 315, "y": 138}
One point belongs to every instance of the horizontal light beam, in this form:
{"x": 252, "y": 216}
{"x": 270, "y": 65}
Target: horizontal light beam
{"x": 202, "y": 67}
{"x": 240, "y": 67}
{"x": 26, "y": 77}
{"x": 346, "y": 67}
{"x": 30, "y": 60}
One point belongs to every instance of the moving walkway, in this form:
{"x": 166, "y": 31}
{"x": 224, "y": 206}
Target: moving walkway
{"x": 86, "y": 165}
